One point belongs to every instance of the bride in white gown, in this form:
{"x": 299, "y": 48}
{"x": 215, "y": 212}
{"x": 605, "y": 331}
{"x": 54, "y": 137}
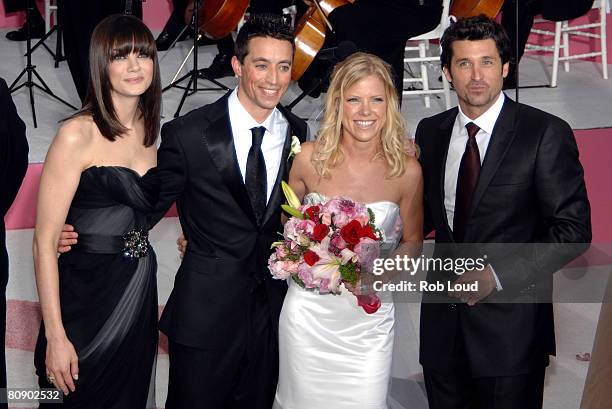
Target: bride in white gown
{"x": 332, "y": 354}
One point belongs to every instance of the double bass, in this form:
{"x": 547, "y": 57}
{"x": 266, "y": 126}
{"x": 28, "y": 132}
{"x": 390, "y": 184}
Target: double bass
{"x": 217, "y": 18}
{"x": 310, "y": 34}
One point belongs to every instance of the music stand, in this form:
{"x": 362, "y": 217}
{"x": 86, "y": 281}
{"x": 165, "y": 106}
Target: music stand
{"x": 31, "y": 70}
{"x": 57, "y": 55}
{"x": 194, "y": 74}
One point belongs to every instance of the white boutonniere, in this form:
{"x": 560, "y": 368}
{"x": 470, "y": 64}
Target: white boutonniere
{"x": 295, "y": 146}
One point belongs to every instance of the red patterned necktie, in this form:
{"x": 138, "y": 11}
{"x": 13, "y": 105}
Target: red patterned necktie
{"x": 466, "y": 182}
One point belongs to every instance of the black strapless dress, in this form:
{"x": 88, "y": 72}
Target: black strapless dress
{"x": 108, "y": 293}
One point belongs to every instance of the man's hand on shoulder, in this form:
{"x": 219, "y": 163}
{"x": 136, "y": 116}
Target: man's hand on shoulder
{"x": 181, "y": 244}
{"x": 68, "y": 238}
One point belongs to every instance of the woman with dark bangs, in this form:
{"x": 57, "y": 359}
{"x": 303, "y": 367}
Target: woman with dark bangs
{"x": 98, "y": 338}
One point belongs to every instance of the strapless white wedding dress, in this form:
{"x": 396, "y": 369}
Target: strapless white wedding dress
{"x": 332, "y": 354}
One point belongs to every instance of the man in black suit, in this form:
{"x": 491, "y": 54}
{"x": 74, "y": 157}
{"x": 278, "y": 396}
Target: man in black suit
{"x": 495, "y": 172}
{"x": 13, "y": 166}
{"x": 223, "y": 164}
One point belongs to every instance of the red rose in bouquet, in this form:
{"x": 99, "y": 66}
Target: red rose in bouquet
{"x": 351, "y": 232}
{"x": 320, "y": 232}
{"x": 311, "y": 258}
{"x": 366, "y": 231}
{"x": 312, "y": 213}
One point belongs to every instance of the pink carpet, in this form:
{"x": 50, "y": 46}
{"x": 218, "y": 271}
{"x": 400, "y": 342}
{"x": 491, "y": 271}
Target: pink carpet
{"x": 595, "y": 146}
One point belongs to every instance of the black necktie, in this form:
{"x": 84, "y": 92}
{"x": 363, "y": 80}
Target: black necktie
{"x": 466, "y": 182}
{"x": 255, "y": 178}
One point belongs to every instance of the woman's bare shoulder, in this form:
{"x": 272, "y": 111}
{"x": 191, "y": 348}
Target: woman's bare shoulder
{"x": 412, "y": 173}
{"x": 413, "y": 166}
{"x": 306, "y": 149}
{"x": 78, "y": 131}
{"x": 302, "y": 159}
{"x": 76, "y": 137}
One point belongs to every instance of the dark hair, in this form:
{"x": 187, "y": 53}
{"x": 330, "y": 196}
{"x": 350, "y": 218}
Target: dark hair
{"x": 120, "y": 35}
{"x": 262, "y": 25}
{"x": 474, "y": 28}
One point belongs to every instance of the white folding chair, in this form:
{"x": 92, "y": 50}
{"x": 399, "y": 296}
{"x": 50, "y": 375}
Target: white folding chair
{"x": 50, "y": 10}
{"x": 423, "y": 59}
{"x": 562, "y": 33}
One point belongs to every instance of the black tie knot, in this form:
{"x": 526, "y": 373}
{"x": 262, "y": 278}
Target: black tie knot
{"x": 258, "y": 134}
{"x": 472, "y": 130}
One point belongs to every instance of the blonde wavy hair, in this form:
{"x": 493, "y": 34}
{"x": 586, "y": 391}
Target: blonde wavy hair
{"x": 394, "y": 143}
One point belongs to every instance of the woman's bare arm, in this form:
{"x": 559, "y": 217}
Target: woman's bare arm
{"x": 66, "y": 159}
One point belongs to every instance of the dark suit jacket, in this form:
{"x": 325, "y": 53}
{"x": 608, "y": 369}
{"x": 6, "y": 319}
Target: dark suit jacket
{"x": 227, "y": 252}
{"x": 553, "y": 10}
{"x": 13, "y": 166}
{"x": 559, "y": 10}
{"x": 530, "y": 190}
{"x": 11, "y": 6}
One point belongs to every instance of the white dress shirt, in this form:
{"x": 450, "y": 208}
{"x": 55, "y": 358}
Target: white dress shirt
{"x": 272, "y": 144}
{"x": 456, "y": 148}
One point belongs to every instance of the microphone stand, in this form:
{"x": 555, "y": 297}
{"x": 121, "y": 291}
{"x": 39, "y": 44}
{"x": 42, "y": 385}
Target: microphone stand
{"x": 516, "y": 50}
{"x": 30, "y": 70}
{"x": 58, "y": 56}
{"x": 194, "y": 73}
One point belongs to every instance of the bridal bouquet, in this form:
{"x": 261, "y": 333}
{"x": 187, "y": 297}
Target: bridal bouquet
{"x": 327, "y": 244}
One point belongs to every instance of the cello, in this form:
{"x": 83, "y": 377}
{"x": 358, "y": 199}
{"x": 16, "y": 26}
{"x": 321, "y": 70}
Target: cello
{"x": 310, "y": 34}
{"x": 470, "y": 8}
{"x": 217, "y": 18}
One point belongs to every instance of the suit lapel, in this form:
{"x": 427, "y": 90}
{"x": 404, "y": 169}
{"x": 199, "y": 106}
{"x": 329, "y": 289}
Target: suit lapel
{"x": 501, "y": 139}
{"x": 442, "y": 143}
{"x": 220, "y": 143}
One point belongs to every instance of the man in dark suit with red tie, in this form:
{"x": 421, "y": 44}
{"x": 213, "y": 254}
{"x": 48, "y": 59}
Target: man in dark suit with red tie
{"x": 504, "y": 177}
